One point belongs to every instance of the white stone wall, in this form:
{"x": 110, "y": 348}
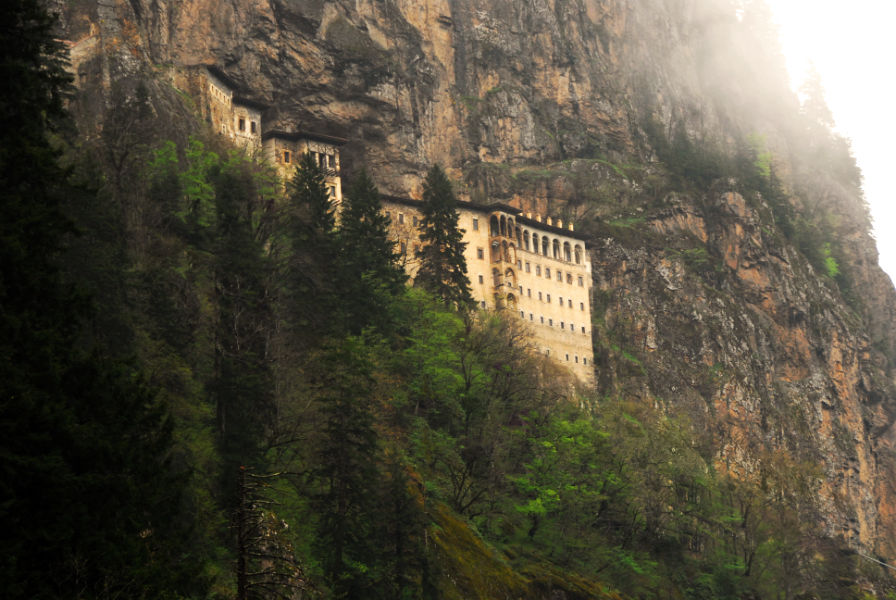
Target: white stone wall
{"x": 520, "y": 280}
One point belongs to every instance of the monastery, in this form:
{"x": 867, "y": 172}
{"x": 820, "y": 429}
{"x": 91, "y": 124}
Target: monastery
{"x": 532, "y": 266}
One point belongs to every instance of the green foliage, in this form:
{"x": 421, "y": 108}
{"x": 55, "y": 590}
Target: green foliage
{"x": 89, "y": 492}
{"x": 369, "y": 277}
{"x": 443, "y": 268}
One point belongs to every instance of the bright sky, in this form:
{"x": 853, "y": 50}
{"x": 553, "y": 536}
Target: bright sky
{"x": 853, "y": 45}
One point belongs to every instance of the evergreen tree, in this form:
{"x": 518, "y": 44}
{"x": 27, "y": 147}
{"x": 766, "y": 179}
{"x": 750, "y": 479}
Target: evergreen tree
{"x": 311, "y": 267}
{"x": 243, "y": 384}
{"x": 815, "y": 106}
{"x": 443, "y": 268}
{"x": 345, "y": 470}
{"x": 89, "y": 502}
{"x": 370, "y": 277}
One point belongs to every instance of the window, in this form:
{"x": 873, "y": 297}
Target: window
{"x": 253, "y": 127}
{"x": 481, "y": 279}
{"x": 475, "y": 224}
{"x": 529, "y": 292}
{"x": 560, "y": 298}
{"x": 415, "y": 220}
{"x": 569, "y": 302}
{"x": 577, "y": 358}
{"x": 480, "y": 253}
{"x": 582, "y": 305}
{"x": 581, "y": 281}
{"x": 242, "y": 124}
{"x": 542, "y": 320}
{"x": 539, "y": 295}
{"x": 538, "y": 269}
{"x": 527, "y": 267}
{"x": 549, "y": 297}
{"x": 569, "y": 278}
{"x": 522, "y": 315}
{"x": 584, "y": 361}
{"x": 547, "y": 272}
{"x": 567, "y": 358}
{"x": 531, "y": 318}
{"x": 521, "y": 290}
{"x": 559, "y": 276}
{"x": 401, "y": 218}
{"x": 550, "y": 322}
{"x": 519, "y": 264}
{"x": 583, "y": 329}
{"x": 286, "y": 156}
{"x": 482, "y": 303}
{"x": 562, "y": 325}
{"x": 572, "y": 328}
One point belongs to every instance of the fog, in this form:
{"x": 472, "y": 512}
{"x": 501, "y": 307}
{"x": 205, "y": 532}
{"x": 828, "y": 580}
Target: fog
{"x": 851, "y": 45}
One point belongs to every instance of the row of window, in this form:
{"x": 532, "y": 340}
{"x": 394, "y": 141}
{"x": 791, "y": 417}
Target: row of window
{"x": 241, "y": 126}
{"x": 547, "y": 273}
{"x": 547, "y": 298}
{"x": 550, "y": 322}
{"x": 505, "y": 227}
{"x": 416, "y": 220}
{"x": 547, "y": 352}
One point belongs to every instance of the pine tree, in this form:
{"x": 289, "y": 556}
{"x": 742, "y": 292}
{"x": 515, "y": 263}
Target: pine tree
{"x": 443, "y": 268}
{"x": 370, "y": 277}
{"x": 345, "y": 470}
{"x": 89, "y": 500}
{"x": 243, "y": 383}
{"x": 310, "y": 270}
{"x": 815, "y": 106}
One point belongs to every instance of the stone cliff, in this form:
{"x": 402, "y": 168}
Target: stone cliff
{"x": 702, "y": 305}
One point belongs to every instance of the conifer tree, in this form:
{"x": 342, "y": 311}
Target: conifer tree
{"x": 815, "y": 106}
{"x": 88, "y": 498}
{"x": 443, "y": 268}
{"x": 370, "y": 277}
{"x": 243, "y": 384}
{"x": 345, "y": 469}
{"x": 311, "y": 224}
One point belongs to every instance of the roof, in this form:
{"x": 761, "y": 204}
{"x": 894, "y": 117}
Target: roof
{"x": 495, "y": 206}
{"x": 224, "y": 77}
{"x": 294, "y": 136}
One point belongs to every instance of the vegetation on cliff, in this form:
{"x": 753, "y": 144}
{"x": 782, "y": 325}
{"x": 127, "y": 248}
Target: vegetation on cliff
{"x": 257, "y": 397}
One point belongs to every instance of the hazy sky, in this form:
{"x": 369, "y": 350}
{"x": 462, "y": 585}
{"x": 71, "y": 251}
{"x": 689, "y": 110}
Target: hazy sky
{"x": 852, "y": 44}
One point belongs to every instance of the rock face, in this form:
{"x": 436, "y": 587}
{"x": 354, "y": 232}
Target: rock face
{"x": 554, "y": 106}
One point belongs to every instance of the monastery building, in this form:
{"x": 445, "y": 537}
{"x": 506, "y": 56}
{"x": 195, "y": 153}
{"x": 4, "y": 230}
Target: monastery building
{"x": 535, "y": 268}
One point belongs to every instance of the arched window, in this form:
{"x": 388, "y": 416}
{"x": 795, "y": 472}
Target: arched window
{"x": 556, "y": 249}
{"x": 535, "y": 243}
{"x": 526, "y": 240}
{"x": 493, "y": 225}
{"x": 511, "y": 232}
{"x": 519, "y": 236}
{"x": 567, "y": 254}
{"x": 578, "y": 254}
{"x": 503, "y": 225}
{"x": 510, "y": 278}
{"x": 496, "y": 251}
{"x": 505, "y": 252}
{"x": 496, "y": 277}
{"x": 511, "y": 301}
{"x": 545, "y": 245}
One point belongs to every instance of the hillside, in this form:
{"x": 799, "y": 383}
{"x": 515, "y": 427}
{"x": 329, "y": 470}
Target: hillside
{"x": 736, "y": 286}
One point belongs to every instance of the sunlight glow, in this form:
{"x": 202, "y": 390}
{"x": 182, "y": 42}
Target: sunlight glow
{"x": 851, "y": 45}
